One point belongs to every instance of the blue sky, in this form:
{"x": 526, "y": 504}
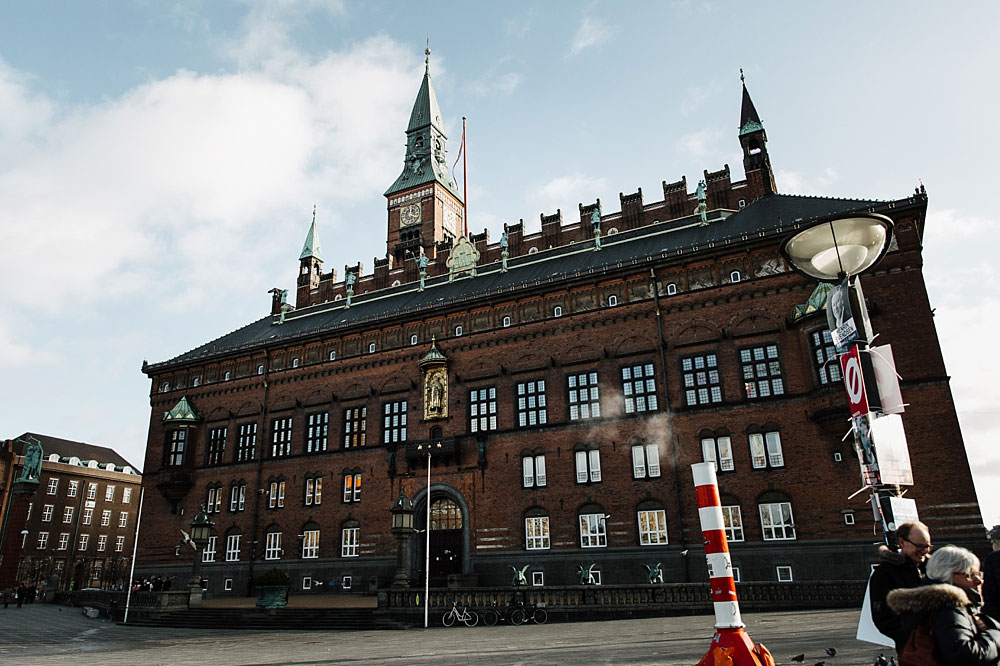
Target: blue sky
{"x": 159, "y": 161}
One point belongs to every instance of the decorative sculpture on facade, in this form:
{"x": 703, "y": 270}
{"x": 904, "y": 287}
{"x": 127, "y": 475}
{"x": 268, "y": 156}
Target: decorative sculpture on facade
{"x": 349, "y": 279}
{"x": 32, "y": 466}
{"x": 504, "y": 245}
{"x": 654, "y": 574}
{"x": 595, "y": 222}
{"x": 702, "y": 202}
{"x": 587, "y": 574}
{"x": 519, "y": 578}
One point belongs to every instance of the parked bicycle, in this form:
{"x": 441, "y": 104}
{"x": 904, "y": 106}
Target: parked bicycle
{"x": 469, "y": 617}
{"x": 495, "y": 614}
{"x": 528, "y": 612}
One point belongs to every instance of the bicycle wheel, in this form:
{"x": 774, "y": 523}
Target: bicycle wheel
{"x": 449, "y": 618}
{"x": 490, "y": 617}
{"x": 517, "y": 616}
{"x": 540, "y": 616}
{"x": 471, "y": 618}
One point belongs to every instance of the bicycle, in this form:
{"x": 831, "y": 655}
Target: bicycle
{"x": 465, "y": 615}
{"x": 496, "y": 614}
{"x": 525, "y": 612}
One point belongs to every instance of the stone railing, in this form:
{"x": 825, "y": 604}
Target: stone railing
{"x": 580, "y": 602}
{"x": 112, "y": 603}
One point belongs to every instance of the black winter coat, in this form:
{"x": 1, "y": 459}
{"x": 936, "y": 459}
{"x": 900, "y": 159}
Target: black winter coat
{"x": 894, "y": 571}
{"x": 991, "y": 585}
{"x": 951, "y": 610}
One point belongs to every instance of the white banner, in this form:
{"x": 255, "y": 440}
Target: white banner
{"x": 867, "y": 631}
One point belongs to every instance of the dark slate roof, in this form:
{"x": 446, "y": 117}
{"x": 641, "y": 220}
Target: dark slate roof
{"x": 569, "y": 261}
{"x": 68, "y": 449}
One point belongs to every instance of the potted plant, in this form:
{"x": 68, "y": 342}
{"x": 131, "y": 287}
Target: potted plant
{"x": 272, "y": 589}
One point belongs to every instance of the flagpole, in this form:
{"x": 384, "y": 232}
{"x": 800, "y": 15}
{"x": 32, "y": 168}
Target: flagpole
{"x": 465, "y": 181}
{"x": 135, "y": 548}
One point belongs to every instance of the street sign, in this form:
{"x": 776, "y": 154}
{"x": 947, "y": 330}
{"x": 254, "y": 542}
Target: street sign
{"x": 854, "y": 381}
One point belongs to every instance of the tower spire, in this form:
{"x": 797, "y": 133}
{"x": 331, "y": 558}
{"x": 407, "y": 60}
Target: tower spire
{"x": 749, "y": 120}
{"x": 753, "y": 140}
{"x": 311, "y": 249}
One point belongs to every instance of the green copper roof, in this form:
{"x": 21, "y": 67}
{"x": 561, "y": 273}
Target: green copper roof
{"x": 183, "y": 412}
{"x": 426, "y": 158}
{"x": 311, "y": 247}
{"x": 434, "y": 356}
{"x": 749, "y": 120}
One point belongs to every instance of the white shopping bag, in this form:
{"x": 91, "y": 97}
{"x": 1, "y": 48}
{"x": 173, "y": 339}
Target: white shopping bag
{"x": 867, "y": 631}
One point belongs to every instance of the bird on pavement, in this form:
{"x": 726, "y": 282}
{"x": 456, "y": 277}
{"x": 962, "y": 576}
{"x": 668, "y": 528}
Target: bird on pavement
{"x": 832, "y": 652}
{"x": 799, "y": 658}
{"x": 881, "y": 660}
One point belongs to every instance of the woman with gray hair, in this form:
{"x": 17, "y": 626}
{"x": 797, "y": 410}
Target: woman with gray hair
{"x": 949, "y": 608}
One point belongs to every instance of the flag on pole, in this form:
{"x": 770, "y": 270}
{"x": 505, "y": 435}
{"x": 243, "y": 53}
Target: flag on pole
{"x": 465, "y": 191}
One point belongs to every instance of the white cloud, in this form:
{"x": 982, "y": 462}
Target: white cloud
{"x": 590, "y": 33}
{"x": 794, "y": 182}
{"x": 503, "y": 84}
{"x": 575, "y": 186}
{"x": 700, "y": 144}
{"x": 519, "y": 26}
{"x": 694, "y": 98}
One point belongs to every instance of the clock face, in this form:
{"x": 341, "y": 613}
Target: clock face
{"x": 451, "y": 220}
{"x": 409, "y": 215}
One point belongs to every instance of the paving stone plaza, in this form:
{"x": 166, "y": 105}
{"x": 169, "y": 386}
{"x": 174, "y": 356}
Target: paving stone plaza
{"x": 49, "y": 634}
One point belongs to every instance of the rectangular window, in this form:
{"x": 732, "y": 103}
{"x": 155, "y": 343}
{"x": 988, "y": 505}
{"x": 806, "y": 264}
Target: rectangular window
{"x": 536, "y": 533}
{"x": 233, "y": 548}
{"x": 126, "y": 495}
{"x": 639, "y": 388}
{"x": 91, "y": 491}
{"x": 732, "y": 521}
{"x": 593, "y": 530}
{"x": 761, "y": 368}
{"x": 736, "y": 574}
{"x": 314, "y": 491}
{"x": 317, "y": 432}
{"x": 394, "y": 422}
{"x": 64, "y": 541}
{"x": 88, "y": 516}
{"x": 84, "y": 541}
{"x": 310, "y": 544}
{"x": 102, "y": 543}
{"x": 74, "y": 487}
{"x": 272, "y": 547}
{"x": 702, "y": 383}
{"x": 176, "y": 440}
{"x": 352, "y": 487}
{"x": 123, "y": 519}
{"x": 776, "y": 521}
{"x": 718, "y": 450}
{"x": 349, "y": 542}
{"x": 588, "y": 466}
{"x": 355, "y": 426}
{"x": 531, "y": 404}
{"x": 584, "y": 396}
{"x": 47, "y": 511}
{"x": 227, "y": 585}
{"x": 653, "y": 527}
{"x": 276, "y": 495}
{"x": 217, "y": 445}
{"x": 307, "y": 582}
{"x": 214, "y": 504}
{"x": 537, "y": 578}
{"x": 237, "y": 498}
{"x": 109, "y": 494}
{"x": 68, "y": 514}
{"x": 784, "y": 574}
{"x": 483, "y": 409}
{"x": 119, "y": 544}
{"x": 281, "y": 437}
{"x": 246, "y": 446}
{"x": 43, "y": 540}
{"x": 53, "y": 486}
{"x": 208, "y": 552}
{"x": 765, "y": 450}
{"x": 105, "y": 517}
{"x": 824, "y": 356}
{"x": 645, "y": 461}
{"x": 534, "y": 471}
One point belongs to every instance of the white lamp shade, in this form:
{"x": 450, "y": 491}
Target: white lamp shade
{"x": 841, "y": 247}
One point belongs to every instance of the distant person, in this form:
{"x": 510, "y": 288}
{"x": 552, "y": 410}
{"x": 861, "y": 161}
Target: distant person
{"x": 20, "y": 594}
{"x": 8, "y": 595}
{"x": 991, "y": 575}
{"x": 903, "y": 568}
{"x": 949, "y": 612}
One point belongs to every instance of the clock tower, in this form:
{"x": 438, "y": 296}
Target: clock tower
{"x": 424, "y": 205}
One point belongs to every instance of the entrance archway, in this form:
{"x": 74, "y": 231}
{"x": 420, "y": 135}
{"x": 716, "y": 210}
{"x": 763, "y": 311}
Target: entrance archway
{"x": 449, "y": 542}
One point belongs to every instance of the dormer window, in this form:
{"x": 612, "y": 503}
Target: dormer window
{"x": 413, "y": 339}
{"x": 228, "y": 375}
{"x": 557, "y": 311}
{"x": 506, "y": 322}
{"x": 734, "y": 276}
{"x": 260, "y": 370}
{"x": 333, "y": 356}
{"x": 458, "y": 331}
{"x": 743, "y": 204}
{"x": 371, "y": 347}
{"x": 295, "y": 362}
{"x": 671, "y": 289}
{"x": 196, "y": 381}
{"x": 612, "y": 301}
{"x": 166, "y": 387}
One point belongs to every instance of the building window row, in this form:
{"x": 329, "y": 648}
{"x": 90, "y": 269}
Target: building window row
{"x": 765, "y": 451}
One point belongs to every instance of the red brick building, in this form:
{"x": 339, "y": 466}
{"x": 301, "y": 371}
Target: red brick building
{"x": 77, "y": 529}
{"x": 565, "y": 381}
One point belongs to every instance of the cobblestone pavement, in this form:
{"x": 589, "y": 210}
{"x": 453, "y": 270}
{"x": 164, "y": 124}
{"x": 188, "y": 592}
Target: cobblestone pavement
{"x": 47, "y": 634}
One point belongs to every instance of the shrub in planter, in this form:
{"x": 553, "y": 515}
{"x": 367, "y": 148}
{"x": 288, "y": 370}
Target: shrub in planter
{"x": 272, "y": 589}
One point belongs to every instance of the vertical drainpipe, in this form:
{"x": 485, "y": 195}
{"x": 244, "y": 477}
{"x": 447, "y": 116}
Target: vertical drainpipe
{"x": 673, "y": 441}
{"x": 257, "y": 496}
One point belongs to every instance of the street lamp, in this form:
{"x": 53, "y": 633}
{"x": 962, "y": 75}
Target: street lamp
{"x": 201, "y": 528}
{"x": 402, "y": 528}
{"x": 838, "y": 250}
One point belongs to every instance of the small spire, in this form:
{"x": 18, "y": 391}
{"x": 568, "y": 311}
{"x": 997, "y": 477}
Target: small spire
{"x": 743, "y": 79}
{"x": 311, "y": 247}
{"x": 427, "y": 56}
{"x": 314, "y": 213}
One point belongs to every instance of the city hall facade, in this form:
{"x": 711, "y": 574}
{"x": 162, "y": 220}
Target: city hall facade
{"x": 558, "y": 385}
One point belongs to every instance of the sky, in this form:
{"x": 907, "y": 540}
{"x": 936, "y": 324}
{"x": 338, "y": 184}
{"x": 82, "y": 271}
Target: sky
{"x": 159, "y": 161}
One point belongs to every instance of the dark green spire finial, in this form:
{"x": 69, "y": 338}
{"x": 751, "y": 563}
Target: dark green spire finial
{"x": 743, "y": 79}
{"x": 427, "y": 55}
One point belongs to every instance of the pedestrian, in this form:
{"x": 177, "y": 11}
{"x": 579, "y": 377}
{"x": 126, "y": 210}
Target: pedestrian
{"x": 991, "y": 575}
{"x": 946, "y": 615}
{"x": 903, "y": 568}
{"x": 167, "y": 584}
{"x": 19, "y": 594}
{"x": 8, "y": 594}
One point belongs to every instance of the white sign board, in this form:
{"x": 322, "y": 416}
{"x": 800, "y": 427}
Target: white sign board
{"x": 884, "y": 365}
{"x": 903, "y": 511}
{"x": 891, "y": 450}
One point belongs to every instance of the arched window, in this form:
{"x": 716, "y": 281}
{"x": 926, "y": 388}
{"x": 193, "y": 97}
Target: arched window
{"x": 260, "y": 370}
{"x": 233, "y": 539}
{"x": 506, "y": 322}
{"x": 272, "y": 543}
{"x": 536, "y": 529}
{"x": 413, "y": 339}
{"x": 732, "y": 517}
{"x": 765, "y": 447}
{"x": 717, "y": 448}
{"x": 446, "y": 514}
{"x": 734, "y": 276}
{"x": 350, "y": 533}
{"x": 352, "y": 485}
{"x": 776, "y": 521}
{"x": 295, "y": 362}
{"x": 196, "y": 382}
{"x": 228, "y": 375}
{"x": 593, "y": 526}
{"x": 652, "y": 519}
{"x": 671, "y": 289}
{"x": 458, "y": 331}
{"x": 310, "y": 541}
{"x": 333, "y": 355}
{"x": 371, "y": 347}
{"x": 533, "y": 468}
{"x": 612, "y": 301}
{"x": 557, "y": 311}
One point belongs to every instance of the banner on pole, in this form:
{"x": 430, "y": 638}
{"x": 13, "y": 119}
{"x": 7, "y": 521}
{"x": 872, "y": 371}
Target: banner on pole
{"x": 891, "y": 451}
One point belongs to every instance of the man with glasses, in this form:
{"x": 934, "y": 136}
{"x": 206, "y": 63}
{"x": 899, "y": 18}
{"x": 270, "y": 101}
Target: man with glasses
{"x": 901, "y": 569}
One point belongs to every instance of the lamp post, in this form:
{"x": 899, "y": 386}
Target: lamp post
{"x": 201, "y": 528}
{"x": 402, "y": 528}
{"x": 838, "y": 250}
